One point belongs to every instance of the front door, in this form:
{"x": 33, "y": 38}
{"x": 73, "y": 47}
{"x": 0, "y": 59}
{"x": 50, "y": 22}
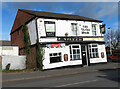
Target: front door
{"x": 84, "y": 55}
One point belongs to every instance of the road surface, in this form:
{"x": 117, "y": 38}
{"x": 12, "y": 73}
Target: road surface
{"x": 94, "y": 79}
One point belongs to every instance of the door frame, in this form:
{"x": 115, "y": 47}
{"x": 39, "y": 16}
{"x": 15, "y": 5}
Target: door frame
{"x": 87, "y": 54}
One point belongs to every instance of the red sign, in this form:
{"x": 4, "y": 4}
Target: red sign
{"x": 56, "y": 45}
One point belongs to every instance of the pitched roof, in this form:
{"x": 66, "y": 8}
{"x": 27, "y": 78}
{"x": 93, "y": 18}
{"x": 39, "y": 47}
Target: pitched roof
{"x": 58, "y": 15}
{"x": 27, "y": 15}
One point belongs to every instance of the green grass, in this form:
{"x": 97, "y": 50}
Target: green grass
{"x": 18, "y": 70}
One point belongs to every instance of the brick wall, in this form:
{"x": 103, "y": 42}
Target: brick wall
{"x": 32, "y": 57}
{"x": 18, "y": 38}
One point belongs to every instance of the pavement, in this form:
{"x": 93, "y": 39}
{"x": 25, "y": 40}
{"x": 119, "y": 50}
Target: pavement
{"x": 64, "y": 71}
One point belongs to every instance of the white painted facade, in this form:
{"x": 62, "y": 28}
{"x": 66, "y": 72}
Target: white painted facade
{"x": 61, "y": 28}
{"x": 16, "y": 62}
{"x": 9, "y": 50}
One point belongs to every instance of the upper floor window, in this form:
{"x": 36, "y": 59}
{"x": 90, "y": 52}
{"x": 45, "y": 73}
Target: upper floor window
{"x": 50, "y": 28}
{"x": 94, "y": 29}
{"x": 74, "y": 29}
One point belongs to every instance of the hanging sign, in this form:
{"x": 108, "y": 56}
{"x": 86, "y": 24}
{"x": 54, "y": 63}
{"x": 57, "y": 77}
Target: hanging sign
{"x": 102, "y": 28}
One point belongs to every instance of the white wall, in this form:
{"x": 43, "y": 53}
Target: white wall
{"x": 9, "y": 50}
{"x": 32, "y": 31}
{"x": 64, "y": 50}
{"x": 63, "y": 26}
{"x": 101, "y": 48}
{"x": 16, "y": 62}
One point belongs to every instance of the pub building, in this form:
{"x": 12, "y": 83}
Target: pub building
{"x": 66, "y": 39}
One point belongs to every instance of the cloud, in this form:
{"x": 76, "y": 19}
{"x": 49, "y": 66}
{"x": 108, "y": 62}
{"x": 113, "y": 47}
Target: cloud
{"x": 99, "y": 10}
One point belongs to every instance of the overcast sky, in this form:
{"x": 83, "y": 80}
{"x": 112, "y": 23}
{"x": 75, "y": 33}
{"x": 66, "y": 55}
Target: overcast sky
{"x": 105, "y": 11}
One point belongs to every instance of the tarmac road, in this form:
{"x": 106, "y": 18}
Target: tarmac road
{"x": 107, "y": 78}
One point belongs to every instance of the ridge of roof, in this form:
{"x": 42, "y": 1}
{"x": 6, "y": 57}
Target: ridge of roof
{"x": 58, "y": 15}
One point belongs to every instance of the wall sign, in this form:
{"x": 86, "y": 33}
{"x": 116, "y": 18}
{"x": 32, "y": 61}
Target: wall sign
{"x": 102, "y": 54}
{"x": 85, "y": 29}
{"x": 50, "y": 28}
{"x": 65, "y": 57}
{"x": 55, "y": 45}
{"x": 69, "y": 39}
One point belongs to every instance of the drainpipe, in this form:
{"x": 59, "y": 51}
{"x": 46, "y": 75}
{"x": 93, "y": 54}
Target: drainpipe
{"x": 36, "y": 28}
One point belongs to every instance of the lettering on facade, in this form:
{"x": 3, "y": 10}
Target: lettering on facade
{"x": 85, "y": 29}
{"x": 69, "y": 39}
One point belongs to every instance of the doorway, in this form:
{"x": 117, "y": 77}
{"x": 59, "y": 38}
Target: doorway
{"x": 84, "y": 55}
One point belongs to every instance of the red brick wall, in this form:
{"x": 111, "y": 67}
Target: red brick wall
{"x": 31, "y": 59}
{"x": 18, "y": 38}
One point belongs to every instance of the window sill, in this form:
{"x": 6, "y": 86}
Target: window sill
{"x": 48, "y": 37}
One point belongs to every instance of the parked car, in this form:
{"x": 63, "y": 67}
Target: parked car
{"x": 114, "y": 57}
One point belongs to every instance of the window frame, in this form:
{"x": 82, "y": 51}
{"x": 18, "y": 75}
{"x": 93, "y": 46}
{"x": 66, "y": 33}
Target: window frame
{"x": 59, "y": 54}
{"x": 73, "y": 30}
{"x": 92, "y": 54}
{"x": 72, "y": 54}
{"x": 94, "y": 30}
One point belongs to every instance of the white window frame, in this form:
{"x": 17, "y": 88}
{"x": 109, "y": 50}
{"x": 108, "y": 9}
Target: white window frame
{"x": 73, "y": 29}
{"x": 91, "y": 54}
{"x": 71, "y": 51}
{"x": 56, "y": 56}
{"x": 94, "y": 30}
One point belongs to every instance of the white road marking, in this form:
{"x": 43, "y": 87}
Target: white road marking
{"x": 103, "y": 75}
{"x": 77, "y": 83}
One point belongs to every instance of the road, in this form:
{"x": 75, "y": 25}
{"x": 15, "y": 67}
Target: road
{"x": 94, "y": 79}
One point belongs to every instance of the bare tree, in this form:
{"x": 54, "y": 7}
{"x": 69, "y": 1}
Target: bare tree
{"x": 112, "y": 38}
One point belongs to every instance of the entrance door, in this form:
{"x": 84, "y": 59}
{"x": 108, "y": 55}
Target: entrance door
{"x": 84, "y": 55}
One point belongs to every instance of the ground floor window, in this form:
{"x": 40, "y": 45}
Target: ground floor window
{"x": 93, "y": 51}
{"x": 55, "y": 57}
{"x": 74, "y": 52}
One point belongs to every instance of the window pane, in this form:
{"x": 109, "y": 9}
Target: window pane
{"x": 74, "y": 51}
{"x": 93, "y": 55}
{"x": 97, "y": 55}
{"x": 50, "y": 54}
{"x": 75, "y": 46}
{"x": 93, "y": 50}
{"x": 78, "y": 56}
{"x": 78, "y": 51}
{"x": 96, "y": 49}
{"x": 94, "y": 45}
{"x": 74, "y": 56}
{"x": 89, "y": 46}
{"x": 54, "y": 54}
